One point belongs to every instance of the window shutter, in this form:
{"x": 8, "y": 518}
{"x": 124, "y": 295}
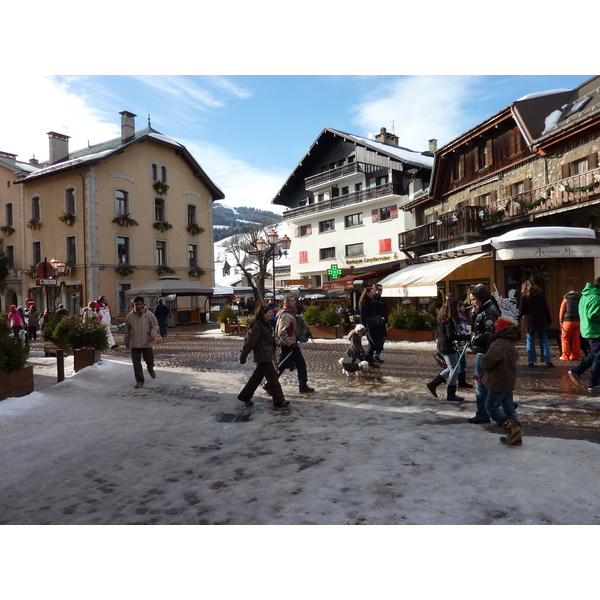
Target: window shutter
{"x": 593, "y": 161}
{"x": 476, "y": 157}
{"x": 508, "y": 191}
{"x": 566, "y": 171}
{"x": 527, "y": 184}
{"x": 296, "y": 232}
{"x": 374, "y": 215}
{"x": 308, "y": 230}
{"x": 493, "y": 196}
{"x": 512, "y": 135}
{"x": 394, "y": 211}
{"x": 489, "y": 151}
{"x": 303, "y": 256}
{"x": 385, "y": 245}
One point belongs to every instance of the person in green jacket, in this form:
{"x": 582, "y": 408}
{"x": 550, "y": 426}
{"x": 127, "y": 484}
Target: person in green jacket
{"x": 589, "y": 316}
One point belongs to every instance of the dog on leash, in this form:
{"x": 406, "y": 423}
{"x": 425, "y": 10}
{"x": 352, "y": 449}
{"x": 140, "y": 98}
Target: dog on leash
{"x": 350, "y": 369}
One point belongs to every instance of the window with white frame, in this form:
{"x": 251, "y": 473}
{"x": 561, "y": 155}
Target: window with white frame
{"x": 123, "y": 250}
{"x": 36, "y": 208}
{"x": 161, "y": 252}
{"x": 122, "y": 202}
{"x": 160, "y": 213}
{"x": 192, "y": 215}
{"x": 71, "y": 249}
{"x": 36, "y": 252}
{"x": 10, "y": 256}
{"x": 192, "y": 256}
{"x": 70, "y": 200}
{"x": 9, "y": 215}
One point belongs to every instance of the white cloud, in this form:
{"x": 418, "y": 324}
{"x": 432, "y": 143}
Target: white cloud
{"x": 242, "y": 184}
{"x": 44, "y": 104}
{"x": 417, "y": 108}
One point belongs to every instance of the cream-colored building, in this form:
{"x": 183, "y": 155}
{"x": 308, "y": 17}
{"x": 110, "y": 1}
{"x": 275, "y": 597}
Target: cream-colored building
{"x": 119, "y": 214}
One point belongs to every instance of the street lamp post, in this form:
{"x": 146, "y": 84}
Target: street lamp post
{"x": 271, "y": 247}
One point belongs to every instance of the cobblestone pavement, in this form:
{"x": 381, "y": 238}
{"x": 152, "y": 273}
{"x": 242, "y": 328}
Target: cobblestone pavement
{"x": 549, "y": 404}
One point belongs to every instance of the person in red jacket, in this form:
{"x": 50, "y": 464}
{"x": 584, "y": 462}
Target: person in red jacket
{"x": 15, "y": 320}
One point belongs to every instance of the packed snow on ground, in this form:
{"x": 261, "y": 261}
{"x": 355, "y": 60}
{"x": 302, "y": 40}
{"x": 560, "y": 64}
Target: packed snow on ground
{"x": 360, "y": 452}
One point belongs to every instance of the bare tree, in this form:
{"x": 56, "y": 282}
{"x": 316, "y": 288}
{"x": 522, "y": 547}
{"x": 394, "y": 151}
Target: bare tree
{"x": 253, "y": 263}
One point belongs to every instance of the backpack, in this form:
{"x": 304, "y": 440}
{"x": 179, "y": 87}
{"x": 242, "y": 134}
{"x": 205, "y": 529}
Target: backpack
{"x": 303, "y": 332}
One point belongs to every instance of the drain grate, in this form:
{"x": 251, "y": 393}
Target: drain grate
{"x": 225, "y": 418}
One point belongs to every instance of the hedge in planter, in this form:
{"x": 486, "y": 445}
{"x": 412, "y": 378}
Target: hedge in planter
{"x": 411, "y": 319}
{"x": 16, "y": 378}
{"x": 325, "y": 316}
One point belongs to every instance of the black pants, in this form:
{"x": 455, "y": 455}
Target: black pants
{"x": 136, "y": 358}
{"x": 263, "y": 370}
{"x": 32, "y": 333}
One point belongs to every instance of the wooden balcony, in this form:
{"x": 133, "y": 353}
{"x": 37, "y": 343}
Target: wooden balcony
{"x": 339, "y": 173}
{"x": 389, "y": 189}
{"x": 450, "y": 225}
{"x": 564, "y": 194}
{"x": 561, "y": 195}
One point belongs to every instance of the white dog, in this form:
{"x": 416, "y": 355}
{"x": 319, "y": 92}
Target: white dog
{"x": 350, "y": 369}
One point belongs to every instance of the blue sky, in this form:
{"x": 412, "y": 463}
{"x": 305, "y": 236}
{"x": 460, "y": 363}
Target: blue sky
{"x": 250, "y": 131}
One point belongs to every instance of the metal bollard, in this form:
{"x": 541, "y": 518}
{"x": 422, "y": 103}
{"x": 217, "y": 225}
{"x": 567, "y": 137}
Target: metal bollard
{"x": 60, "y": 365}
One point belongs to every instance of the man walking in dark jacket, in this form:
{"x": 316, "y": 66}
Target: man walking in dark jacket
{"x": 161, "y": 312}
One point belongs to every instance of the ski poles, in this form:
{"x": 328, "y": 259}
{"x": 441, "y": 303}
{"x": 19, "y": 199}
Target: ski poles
{"x": 456, "y": 366}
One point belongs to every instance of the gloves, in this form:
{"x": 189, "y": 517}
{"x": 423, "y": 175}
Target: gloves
{"x": 478, "y": 338}
{"x": 242, "y": 360}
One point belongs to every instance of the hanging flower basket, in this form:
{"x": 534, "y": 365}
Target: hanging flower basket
{"x": 161, "y": 187}
{"x": 162, "y": 226}
{"x": 195, "y": 229}
{"x": 7, "y": 229}
{"x": 125, "y": 270}
{"x": 67, "y": 218}
{"x": 34, "y": 224}
{"x": 125, "y": 221}
{"x": 196, "y": 272}
{"x": 164, "y": 270}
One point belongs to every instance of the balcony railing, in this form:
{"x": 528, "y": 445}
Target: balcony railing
{"x": 563, "y": 193}
{"x": 449, "y": 225}
{"x": 380, "y": 191}
{"x": 339, "y": 172}
{"x": 567, "y": 192}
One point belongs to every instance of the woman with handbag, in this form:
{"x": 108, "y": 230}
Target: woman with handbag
{"x": 448, "y": 336}
{"x": 371, "y": 318}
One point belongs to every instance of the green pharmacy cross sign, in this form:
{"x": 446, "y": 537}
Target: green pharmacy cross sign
{"x": 334, "y": 272}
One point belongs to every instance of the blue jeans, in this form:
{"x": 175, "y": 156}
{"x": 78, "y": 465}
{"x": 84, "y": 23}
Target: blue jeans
{"x": 500, "y": 405}
{"x": 297, "y": 358}
{"x": 451, "y": 361}
{"x": 480, "y": 390}
{"x": 544, "y": 347}
{"x": 591, "y": 360}
{"x": 162, "y": 327}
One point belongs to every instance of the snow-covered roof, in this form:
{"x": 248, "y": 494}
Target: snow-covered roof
{"x": 540, "y": 94}
{"x": 164, "y": 138}
{"x": 69, "y": 163}
{"x": 404, "y": 154}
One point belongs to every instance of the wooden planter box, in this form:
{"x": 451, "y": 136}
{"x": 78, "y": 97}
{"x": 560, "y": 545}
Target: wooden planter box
{"x": 16, "y": 383}
{"x": 228, "y": 327}
{"x": 50, "y": 348}
{"x": 327, "y": 333}
{"x": 403, "y": 335}
{"x": 85, "y": 357}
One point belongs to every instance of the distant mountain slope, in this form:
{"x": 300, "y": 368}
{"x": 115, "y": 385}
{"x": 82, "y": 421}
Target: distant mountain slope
{"x": 229, "y": 221}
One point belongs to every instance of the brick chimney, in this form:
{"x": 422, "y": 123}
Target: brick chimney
{"x": 433, "y": 146}
{"x": 386, "y": 138}
{"x": 59, "y": 146}
{"x": 127, "y": 125}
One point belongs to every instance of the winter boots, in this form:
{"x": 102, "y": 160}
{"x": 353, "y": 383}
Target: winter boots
{"x": 434, "y": 384}
{"x": 513, "y": 430}
{"x": 462, "y": 381}
{"x": 452, "y": 397}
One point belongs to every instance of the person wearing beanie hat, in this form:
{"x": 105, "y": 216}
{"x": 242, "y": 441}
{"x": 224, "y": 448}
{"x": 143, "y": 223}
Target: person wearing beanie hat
{"x": 499, "y": 376}
{"x": 356, "y": 350}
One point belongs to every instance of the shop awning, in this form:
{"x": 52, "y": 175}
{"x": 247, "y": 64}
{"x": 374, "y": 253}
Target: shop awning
{"x": 345, "y": 283}
{"x": 421, "y": 280}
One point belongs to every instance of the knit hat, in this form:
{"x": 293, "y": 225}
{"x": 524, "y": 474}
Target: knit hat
{"x": 360, "y": 328}
{"x": 505, "y": 321}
